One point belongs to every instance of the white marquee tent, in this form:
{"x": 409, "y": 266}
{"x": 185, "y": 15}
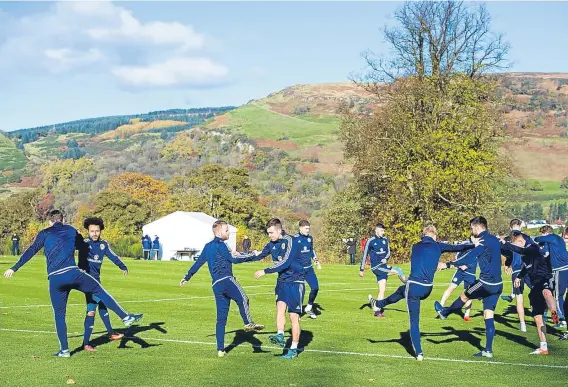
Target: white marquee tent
{"x": 185, "y": 231}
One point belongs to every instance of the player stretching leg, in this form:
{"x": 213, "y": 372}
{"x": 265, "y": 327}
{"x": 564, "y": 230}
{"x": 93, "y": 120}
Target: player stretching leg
{"x": 225, "y": 285}
{"x": 465, "y": 275}
{"x": 59, "y": 242}
{"x": 378, "y": 249}
{"x": 423, "y": 264}
{"x": 91, "y": 260}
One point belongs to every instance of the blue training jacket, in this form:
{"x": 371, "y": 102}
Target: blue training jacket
{"x": 59, "y": 242}
{"x": 219, "y": 259}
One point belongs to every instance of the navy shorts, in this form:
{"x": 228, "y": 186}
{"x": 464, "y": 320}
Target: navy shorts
{"x": 461, "y": 276}
{"x": 521, "y": 288}
{"x": 292, "y": 294}
{"x": 489, "y": 294}
{"x": 536, "y": 298}
{"x": 380, "y": 274}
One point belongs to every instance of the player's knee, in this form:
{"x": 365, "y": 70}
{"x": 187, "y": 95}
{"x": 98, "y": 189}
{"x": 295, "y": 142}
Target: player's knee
{"x": 91, "y": 313}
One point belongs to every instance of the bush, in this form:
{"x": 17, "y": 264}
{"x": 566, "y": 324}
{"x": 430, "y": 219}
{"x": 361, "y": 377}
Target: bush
{"x": 303, "y": 109}
{"x": 127, "y": 246}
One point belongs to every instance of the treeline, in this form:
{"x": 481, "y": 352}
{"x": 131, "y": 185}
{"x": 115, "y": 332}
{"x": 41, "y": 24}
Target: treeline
{"x": 220, "y": 173}
{"x": 104, "y": 124}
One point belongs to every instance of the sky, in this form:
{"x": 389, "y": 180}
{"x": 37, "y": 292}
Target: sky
{"x": 71, "y": 60}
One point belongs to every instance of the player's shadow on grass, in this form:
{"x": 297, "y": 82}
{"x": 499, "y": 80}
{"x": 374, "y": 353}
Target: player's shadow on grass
{"x": 387, "y": 308}
{"x": 129, "y": 335}
{"x": 242, "y": 337}
{"x": 464, "y": 335}
{"x": 404, "y": 340}
{"x": 510, "y": 322}
{"x": 306, "y": 338}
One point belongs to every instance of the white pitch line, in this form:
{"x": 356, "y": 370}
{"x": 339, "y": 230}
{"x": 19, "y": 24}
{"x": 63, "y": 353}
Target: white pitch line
{"x": 332, "y": 352}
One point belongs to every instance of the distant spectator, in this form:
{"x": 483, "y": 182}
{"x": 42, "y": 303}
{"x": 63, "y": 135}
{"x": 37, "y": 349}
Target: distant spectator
{"x": 155, "y": 248}
{"x": 351, "y": 249}
{"x": 246, "y": 245}
{"x": 146, "y": 246}
{"x": 15, "y": 244}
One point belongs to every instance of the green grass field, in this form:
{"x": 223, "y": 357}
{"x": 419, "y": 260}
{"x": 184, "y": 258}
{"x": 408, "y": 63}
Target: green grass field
{"x": 258, "y": 122}
{"x": 175, "y": 342}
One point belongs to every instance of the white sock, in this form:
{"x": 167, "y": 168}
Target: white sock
{"x": 543, "y": 346}
{"x": 295, "y": 345}
{"x": 467, "y": 312}
{"x": 281, "y": 332}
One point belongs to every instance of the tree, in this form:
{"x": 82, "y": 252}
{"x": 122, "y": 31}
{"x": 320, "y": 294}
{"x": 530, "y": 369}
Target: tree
{"x": 342, "y": 219}
{"x": 437, "y": 39}
{"x": 124, "y": 211}
{"x": 564, "y": 183}
{"x": 429, "y": 153}
{"x": 142, "y": 187}
{"x": 221, "y": 192}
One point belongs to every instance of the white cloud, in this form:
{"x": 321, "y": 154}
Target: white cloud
{"x": 173, "y": 72}
{"x": 98, "y": 36}
{"x": 63, "y": 59}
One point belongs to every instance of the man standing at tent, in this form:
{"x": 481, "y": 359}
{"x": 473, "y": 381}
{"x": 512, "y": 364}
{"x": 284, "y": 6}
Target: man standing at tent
{"x": 155, "y": 249}
{"x": 146, "y": 246}
{"x": 225, "y": 286}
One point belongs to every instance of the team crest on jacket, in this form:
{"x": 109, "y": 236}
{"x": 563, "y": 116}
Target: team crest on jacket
{"x": 96, "y": 257}
{"x": 102, "y": 246}
{"x": 283, "y": 245}
{"x": 309, "y": 239}
{"x": 384, "y": 242}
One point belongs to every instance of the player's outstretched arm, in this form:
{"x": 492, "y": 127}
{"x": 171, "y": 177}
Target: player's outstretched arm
{"x": 196, "y": 266}
{"x": 28, "y": 254}
{"x": 115, "y": 259}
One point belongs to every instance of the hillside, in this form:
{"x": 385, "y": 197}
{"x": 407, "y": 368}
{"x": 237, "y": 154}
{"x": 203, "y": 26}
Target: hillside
{"x": 300, "y": 125}
{"x": 12, "y": 161}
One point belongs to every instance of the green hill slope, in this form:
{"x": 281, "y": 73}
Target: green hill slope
{"x": 12, "y": 160}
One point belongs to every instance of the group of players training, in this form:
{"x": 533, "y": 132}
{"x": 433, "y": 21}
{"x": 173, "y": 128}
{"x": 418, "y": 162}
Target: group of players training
{"x": 541, "y": 264}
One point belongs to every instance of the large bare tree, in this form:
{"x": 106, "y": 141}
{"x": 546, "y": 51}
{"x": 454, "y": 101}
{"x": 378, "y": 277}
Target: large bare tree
{"x": 437, "y": 39}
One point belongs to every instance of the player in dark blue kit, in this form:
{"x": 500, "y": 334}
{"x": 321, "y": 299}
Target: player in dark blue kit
{"x": 513, "y": 266}
{"x": 488, "y": 287}
{"x": 91, "y": 259}
{"x": 59, "y": 242}
{"x": 465, "y": 274}
{"x": 559, "y": 261}
{"x": 289, "y": 286}
{"x": 424, "y": 261}
{"x": 225, "y": 286}
{"x": 307, "y": 254}
{"x": 538, "y": 268}
{"x": 378, "y": 249}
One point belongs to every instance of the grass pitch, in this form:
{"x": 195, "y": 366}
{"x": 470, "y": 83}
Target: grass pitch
{"x": 174, "y": 345}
